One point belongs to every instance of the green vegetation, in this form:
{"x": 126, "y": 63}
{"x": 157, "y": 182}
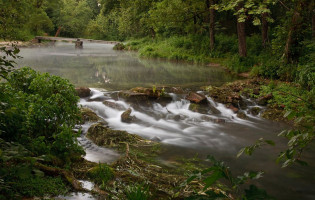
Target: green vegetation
{"x": 267, "y": 39}
{"x": 101, "y": 174}
{"x": 37, "y": 115}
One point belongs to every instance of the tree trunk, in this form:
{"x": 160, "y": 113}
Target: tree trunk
{"x": 264, "y": 30}
{"x": 313, "y": 24}
{"x": 292, "y": 38}
{"x": 211, "y": 20}
{"x": 241, "y": 35}
{"x": 58, "y": 31}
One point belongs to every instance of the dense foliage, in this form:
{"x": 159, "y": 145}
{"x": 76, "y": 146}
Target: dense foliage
{"x": 37, "y": 115}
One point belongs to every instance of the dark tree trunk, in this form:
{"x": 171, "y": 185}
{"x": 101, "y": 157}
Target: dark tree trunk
{"x": 212, "y": 25}
{"x": 241, "y": 35}
{"x": 292, "y": 39}
{"x": 211, "y": 20}
{"x": 313, "y": 24}
{"x": 58, "y": 31}
{"x": 264, "y": 30}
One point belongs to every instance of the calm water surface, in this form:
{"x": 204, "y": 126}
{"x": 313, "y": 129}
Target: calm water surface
{"x": 99, "y": 67}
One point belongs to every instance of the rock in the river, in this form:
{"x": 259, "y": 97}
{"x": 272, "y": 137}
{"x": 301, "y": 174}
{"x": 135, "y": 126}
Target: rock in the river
{"x": 126, "y": 117}
{"x": 242, "y": 115}
{"x": 264, "y": 99}
{"x": 140, "y": 94}
{"x": 194, "y": 97}
{"x": 254, "y": 110}
{"x": 88, "y": 115}
{"x": 234, "y": 109}
{"x": 113, "y": 105}
{"x": 83, "y": 92}
{"x": 177, "y": 117}
{"x": 104, "y": 136}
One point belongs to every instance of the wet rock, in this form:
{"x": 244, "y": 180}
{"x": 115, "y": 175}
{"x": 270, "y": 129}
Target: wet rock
{"x": 156, "y": 139}
{"x": 210, "y": 119}
{"x": 203, "y": 109}
{"x": 144, "y": 95}
{"x": 264, "y": 99}
{"x": 83, "y": 92}
{"x": 242, "y": 104}
{"x": 177, "y": 90}
{"x": 126, "y": 117}
{"x": 207, "y": 118}
{"x": 254, "y": 110}
{"x": 88, "y": 115}
{"x": 177, "y": 117}
{"x": 242, "y": 115}
{"x": 219, "y": 121}
{"x": 234, "y": 109}
{"x": 104, "y": 136}
{"x": 113, "y": 105}
{"x": 194, "y": 97}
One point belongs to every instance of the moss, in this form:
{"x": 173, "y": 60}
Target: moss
{"x": 104, "y": 136}
{"x": 101, "y": 173}
{"x": 88, "y": 115}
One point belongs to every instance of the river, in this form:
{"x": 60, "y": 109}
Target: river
{"x": 107, "y": 71}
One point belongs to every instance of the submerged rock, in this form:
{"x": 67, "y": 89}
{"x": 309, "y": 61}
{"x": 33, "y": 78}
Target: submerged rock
{"x": 203, "y": 108}
{"x": 126, "y": 117}
{"x": 194, "y": 97}
{"x": 83, "y": 92}
{"x": 113, "y": 105}
{"x": 242, "y": 115}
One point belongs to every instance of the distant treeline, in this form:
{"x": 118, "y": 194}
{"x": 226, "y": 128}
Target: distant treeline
{"x": 272, "y": 34}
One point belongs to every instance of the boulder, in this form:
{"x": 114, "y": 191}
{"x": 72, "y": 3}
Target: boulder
{"x": 140, "y": 94}
{"x": 194, "y": 97}
{"x": 242, "y": 115}
{"x": 264, "y": 99}
{"x": 126, "y": 117}
{"x": 113, "y": 105}
{"x": 104, "y": 136}
{"x": 88, "y": 115}
{"x": 83, "y": 92}
{"x": 235, "y": 110}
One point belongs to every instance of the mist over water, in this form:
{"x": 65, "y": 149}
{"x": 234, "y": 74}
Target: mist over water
{"x": 182, "y": 132}
{"x": 97, "y": 65}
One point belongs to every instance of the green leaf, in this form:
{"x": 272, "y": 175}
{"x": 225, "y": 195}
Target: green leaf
{"x": 212, "y": 179}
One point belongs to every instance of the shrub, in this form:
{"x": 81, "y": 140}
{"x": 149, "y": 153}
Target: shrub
{"x": 39, "y": 112}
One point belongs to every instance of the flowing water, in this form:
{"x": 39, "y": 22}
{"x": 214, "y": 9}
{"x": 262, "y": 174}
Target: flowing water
{"x": 182, "y": 132}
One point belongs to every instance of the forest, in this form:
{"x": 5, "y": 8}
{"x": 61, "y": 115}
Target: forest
{"x": 270, "y": 43}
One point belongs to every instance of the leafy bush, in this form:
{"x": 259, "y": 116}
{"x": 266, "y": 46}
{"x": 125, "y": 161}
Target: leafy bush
{"x": 39, "y": 111}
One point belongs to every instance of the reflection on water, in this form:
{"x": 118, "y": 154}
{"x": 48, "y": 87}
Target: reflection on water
{"x": 97, "y": 65}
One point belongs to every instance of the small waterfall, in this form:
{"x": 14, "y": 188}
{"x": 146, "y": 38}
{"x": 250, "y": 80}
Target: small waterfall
{"x": 173, "y": 123}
